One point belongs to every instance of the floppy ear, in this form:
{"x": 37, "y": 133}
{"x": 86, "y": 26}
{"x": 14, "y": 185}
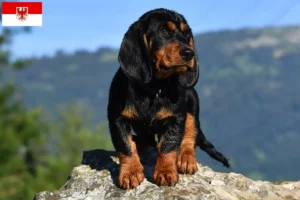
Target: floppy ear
{"x": 134, "y": 55}
{"x": 190, "y": 78}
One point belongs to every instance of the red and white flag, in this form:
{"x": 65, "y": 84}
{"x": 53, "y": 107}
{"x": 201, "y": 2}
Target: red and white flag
{"x": 22, "y": 14}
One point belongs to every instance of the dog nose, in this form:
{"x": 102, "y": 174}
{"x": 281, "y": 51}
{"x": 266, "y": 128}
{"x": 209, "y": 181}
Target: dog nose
{"x": 187, "y": 54}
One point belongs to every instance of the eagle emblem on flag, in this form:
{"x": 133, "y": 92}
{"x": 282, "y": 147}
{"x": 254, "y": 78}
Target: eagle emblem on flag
{"x": 22, "y": 13}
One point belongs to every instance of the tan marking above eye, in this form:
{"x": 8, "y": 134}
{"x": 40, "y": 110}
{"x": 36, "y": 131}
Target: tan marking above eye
{"x": 183, "y": 27}
{"x": 171, "y": 26}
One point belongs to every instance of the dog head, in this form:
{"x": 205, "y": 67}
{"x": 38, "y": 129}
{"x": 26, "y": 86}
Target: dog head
{"x": 159, "y": 45}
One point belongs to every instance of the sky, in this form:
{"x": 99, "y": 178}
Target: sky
{"x": 71, "y": 25}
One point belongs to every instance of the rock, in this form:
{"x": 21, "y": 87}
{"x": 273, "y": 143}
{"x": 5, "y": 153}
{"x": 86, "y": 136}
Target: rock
{"x": 96, "y": 177}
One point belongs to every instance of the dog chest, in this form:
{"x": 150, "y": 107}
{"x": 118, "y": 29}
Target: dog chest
{"x": 146, "y": 112}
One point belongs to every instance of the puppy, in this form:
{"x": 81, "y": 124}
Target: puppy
{"x": 152, "y": 94}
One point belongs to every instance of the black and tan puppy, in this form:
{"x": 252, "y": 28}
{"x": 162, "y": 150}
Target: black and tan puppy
{"x": 152, "y": 94}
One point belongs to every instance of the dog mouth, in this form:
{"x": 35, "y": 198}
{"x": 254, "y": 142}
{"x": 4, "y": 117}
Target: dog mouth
{"x": 175, "y": 68}
{"x": 164, "y": 71}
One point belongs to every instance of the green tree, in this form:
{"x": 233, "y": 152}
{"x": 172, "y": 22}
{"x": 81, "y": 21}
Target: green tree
{"x": 37, "y": 151}
{"x": 20, "y": 128}
{"x": 69, "y": 135}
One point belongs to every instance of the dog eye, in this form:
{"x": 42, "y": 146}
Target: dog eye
{"x": 165, "y": 31}
{"x": 187, "y": 34}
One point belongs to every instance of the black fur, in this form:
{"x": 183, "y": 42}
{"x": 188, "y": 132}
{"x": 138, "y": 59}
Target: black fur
{"x": 135, "y": 85}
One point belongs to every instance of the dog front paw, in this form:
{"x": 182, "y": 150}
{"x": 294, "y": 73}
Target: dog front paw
{"x": 131, "y": 177}
{"x": 187, "y": 163}
{"x": 166, "y": 177}
{"x": 165, "y": 172}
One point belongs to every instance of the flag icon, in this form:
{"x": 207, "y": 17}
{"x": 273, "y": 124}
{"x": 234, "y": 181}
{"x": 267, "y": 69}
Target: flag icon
{"x": 22, "y": 14}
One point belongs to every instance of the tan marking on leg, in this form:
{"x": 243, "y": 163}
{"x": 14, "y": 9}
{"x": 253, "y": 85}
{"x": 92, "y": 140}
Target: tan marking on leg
{"x": 165, "y": 172}
{"x": 131, "y": 170}
{"x": 187, "y": 162}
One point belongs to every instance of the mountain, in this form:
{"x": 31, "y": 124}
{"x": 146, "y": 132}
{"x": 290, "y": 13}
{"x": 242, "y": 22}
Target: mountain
{"x": 248, "y": 85}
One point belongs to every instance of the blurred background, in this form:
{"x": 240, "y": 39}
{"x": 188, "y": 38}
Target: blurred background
{"x": 54, "y": 83}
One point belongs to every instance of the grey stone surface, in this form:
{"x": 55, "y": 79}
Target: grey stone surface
{"x": 95, "y": 178}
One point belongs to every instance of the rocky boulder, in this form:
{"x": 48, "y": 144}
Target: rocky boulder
{"x": 96, "y": 177}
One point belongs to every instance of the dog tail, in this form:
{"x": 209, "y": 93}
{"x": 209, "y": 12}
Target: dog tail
{"x": 209, "y": 148}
